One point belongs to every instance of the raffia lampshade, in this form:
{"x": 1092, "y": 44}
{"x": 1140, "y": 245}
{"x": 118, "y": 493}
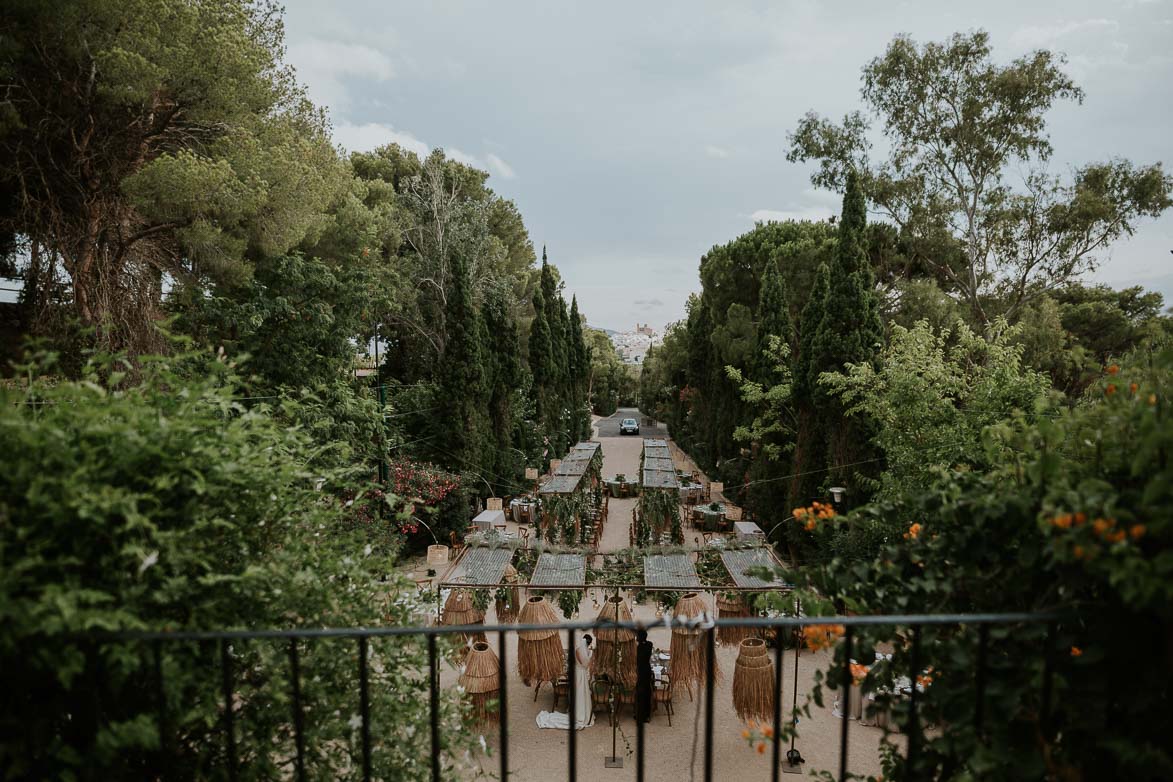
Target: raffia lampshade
{"x": 733, "y": 607}
{"x": 482, "y": 683}
{"x": 508, "y": 608}
{"x": 615, "y": 647}
{"x": 753, "y": 681}
{"x": 437, "y": 555}
{"x": 689, "y": 646}
{"x": 459, "y": 610}
{"x": 539, "y": 652}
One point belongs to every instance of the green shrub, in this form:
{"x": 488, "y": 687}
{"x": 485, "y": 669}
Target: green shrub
{"x": 159, "y": 502}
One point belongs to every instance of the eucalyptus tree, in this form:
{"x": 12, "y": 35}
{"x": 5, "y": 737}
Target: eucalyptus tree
{"x": 957, "y": 126}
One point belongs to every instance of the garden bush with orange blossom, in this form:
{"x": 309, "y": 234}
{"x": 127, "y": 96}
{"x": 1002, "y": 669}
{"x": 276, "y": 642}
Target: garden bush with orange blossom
{"x": 1074, "y": 516}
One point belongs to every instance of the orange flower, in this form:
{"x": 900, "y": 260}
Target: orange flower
{"x": 1132, "y": 387}
{"x": 822, "y": 636}
{"x": 913, "y": 532}
{"x": 859, "y": 672}
{"x": 1080, "y": 518}
{"x": 1113, "y": 369}
{"x": 798, "y": 513}
{"x": 761, "y": 748}
{"x": 1101, "y": 526}
{"x": 1111, "y": 389}
{"x": 1076, "y": 651}
{"x": 1062, "y": 521}
{"x": 1078, "y": 552}
{"x": 768, "y": 731}
{"x": 1136, "y": 531}
{"x": 745, "y": 734}
{"x": 1116, "y": 536}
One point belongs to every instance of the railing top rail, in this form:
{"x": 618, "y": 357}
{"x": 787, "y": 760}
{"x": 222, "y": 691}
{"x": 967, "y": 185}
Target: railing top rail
{"x": 878, "y": 620}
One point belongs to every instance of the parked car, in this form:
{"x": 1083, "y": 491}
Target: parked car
{"x": 629, "y": 426}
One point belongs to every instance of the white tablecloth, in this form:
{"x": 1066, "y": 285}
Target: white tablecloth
{"x": 486, "y": 519}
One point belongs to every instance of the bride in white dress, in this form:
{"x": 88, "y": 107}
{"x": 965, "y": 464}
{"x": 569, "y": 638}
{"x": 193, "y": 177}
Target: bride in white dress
{"x": 583, "y": 712}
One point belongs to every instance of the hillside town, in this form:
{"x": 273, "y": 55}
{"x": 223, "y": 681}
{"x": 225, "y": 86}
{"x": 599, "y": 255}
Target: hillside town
{"x": 634, "y": 345}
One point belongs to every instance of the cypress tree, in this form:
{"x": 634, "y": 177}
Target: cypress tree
{"x": 540, "y": 357}
{"x": 773, "y": 320}
{"x": 851, "y": 329}
{"x": 505, "y": 372}
{"x": 462, "y": 378}
{"x": 810, "y": 437}
{"x": 581, "y": 369}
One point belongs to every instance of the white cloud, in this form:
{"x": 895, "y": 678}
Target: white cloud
{"x": 718, "y": 152}
{"x": 463, "y": 157}
{"x": 324, "y": 66}
{"x": 364, "y": 138}
{"x": 500, "y": 167}
{"x": 1046, "y": 36}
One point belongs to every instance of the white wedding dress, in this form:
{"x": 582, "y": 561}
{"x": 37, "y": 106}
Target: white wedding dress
{"x": 583, "y": 712}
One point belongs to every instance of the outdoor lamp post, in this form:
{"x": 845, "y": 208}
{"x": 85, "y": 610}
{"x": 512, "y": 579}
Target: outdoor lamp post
{"x": 838, "y": 493}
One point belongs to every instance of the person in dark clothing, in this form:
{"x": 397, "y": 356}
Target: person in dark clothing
{"x": 643, "y": 677}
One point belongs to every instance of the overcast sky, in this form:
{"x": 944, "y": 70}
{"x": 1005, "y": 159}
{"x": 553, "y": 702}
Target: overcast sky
{"x": 635, "y": 136}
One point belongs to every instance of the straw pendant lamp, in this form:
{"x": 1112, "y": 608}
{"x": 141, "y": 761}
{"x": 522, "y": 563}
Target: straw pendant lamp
{"x": 459, "y": 610}
{"x": 689, "y": 645}
{"x": 482, "y": 682}
{"x": 539, "y": 652}
{"x": 507, "y": 609}
{"x": 732, "y": 607}
{"x": 753, "y": 682}
{"x": 615, "y": 647}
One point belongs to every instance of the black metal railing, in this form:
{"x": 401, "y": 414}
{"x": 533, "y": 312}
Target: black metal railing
{"x": 852, "y": 626}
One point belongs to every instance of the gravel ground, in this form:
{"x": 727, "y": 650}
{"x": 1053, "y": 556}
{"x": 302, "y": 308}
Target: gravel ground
{"x": 672, "y": 752}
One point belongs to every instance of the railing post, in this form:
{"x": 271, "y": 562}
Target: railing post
{"x": 503, "y": 706}
{"x": 229, "y": 717}
{"x": 711, "y": 644}
{"x": 980, "y": 679}
{"x": 571, "y": 704}
{"x": 161, "y": 704}
{"x": 1048, "y": 678}
{"x": 434, "y": 705}
{"x": 845, "y": 707}
{"x": 298, "y": 714}
{"x": 364, "y": 697}
{"x": 913, "y": 722}
{"x": 777, "y": 752}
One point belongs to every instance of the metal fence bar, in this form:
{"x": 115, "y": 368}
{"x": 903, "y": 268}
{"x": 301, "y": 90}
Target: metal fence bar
{"x": 298, "y": 714}
{"x": 1048, "y": 679}
{"x": 571, "y": 706}
{"x": 845, "y": 708}
{"x": 776, "y": 769}
{"x": 913, "y": 723}
{"x": 160, "y": 699}
{"x": 979, "y": 709}
{"x": 364, "y": 699}
{"x": 434, "y": 704}
{"x": 229, "y": 717}
{"x": 878, "y": 620}
{"x": 503, "y": 707}
{"x": 711, "y": 653}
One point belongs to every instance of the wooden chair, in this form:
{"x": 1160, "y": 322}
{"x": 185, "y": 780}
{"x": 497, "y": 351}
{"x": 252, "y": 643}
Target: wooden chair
{"x": 561, "y": 692}
{"x": 601, "y": 698}
{"x": 457, "y": 544}
{"x": 500, "y": 528}
{"x": 662, "y": 697}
